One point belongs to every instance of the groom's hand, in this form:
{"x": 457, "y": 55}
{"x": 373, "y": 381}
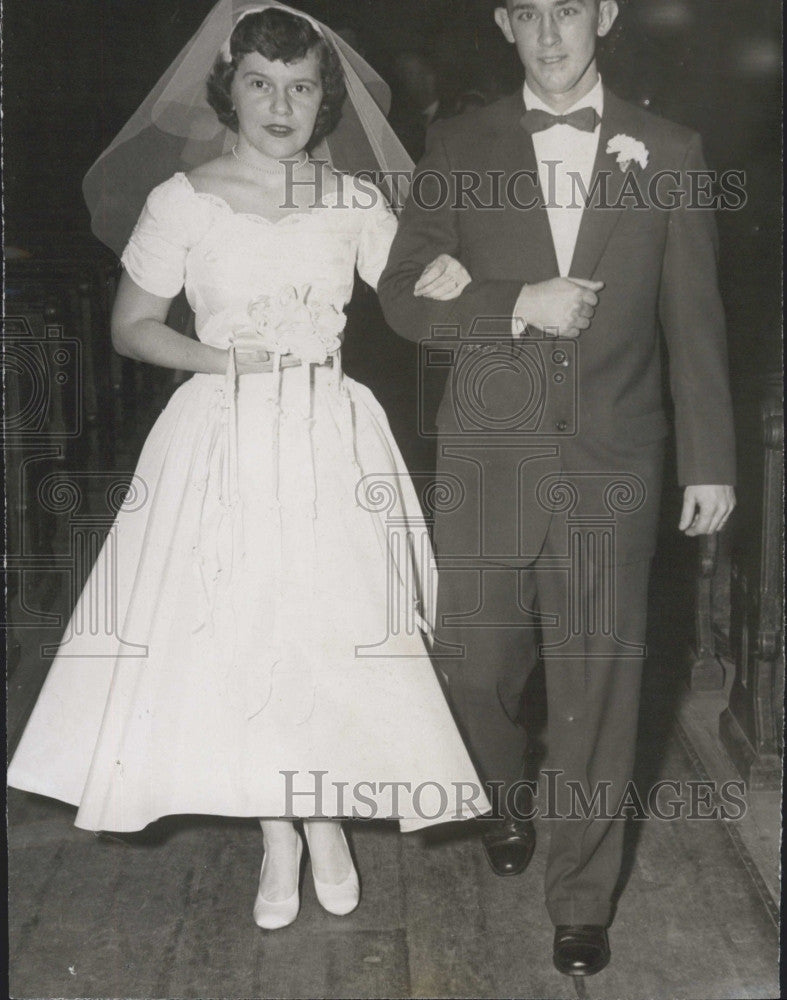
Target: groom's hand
{"x": 706, "y": 509}
{"x": 561, "y": 306}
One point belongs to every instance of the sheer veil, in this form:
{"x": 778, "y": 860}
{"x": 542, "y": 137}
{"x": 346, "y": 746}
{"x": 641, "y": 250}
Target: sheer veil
{"x": 176, "y": 129}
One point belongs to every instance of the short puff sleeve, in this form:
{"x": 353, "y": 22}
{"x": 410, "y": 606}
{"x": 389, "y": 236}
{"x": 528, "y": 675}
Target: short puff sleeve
{"x": 377, "y": 231}
{"x": 155, "y": 256}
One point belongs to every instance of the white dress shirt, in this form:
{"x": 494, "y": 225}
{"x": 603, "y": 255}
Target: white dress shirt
{"x": 562, "y": 151}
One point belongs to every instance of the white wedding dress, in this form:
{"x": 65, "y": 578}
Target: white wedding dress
{"x": 271, "y": 569}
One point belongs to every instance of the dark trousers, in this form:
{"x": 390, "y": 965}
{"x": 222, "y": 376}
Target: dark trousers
{"x": 587, "y": 610}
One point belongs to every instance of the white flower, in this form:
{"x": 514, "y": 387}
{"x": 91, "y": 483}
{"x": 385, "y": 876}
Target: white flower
{"x": 288, "y": 295}
{"x": 259, "y": 309}
{"x": 628, "y": 150}
{"x": 328, "y": 321}
{"x": 263, "y": 315}
{"x": 304, "y": 344}
{"x": 303, "y": 323}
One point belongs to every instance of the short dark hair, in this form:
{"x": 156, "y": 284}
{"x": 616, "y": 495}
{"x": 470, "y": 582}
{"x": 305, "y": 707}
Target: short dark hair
{"x": 277, "y": 34}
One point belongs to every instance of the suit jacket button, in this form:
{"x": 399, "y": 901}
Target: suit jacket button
{"x": 561, "y": 425}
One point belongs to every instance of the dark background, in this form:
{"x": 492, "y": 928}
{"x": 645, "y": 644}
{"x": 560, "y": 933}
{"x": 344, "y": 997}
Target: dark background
{"x": 76, "y": 69}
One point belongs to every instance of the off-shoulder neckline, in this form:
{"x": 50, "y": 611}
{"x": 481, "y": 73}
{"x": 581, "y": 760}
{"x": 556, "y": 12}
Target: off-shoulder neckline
{"x": 222, "y": 203}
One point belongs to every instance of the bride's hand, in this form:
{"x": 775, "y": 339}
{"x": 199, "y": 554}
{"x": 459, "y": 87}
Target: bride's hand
{"x": 250, "y": 356}
{"x": 444, "y": 279}
{"x": 247, "y": 361}
{"x": 251, "y": 359}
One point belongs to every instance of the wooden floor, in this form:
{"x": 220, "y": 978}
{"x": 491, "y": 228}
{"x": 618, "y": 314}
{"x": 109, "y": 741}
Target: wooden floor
{"x": 167, "y": 913}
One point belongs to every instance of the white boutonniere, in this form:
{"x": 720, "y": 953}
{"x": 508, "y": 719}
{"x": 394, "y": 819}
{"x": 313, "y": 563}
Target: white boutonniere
{"x": 628, "y": 150}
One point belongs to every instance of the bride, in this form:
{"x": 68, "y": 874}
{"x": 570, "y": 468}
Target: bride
{"x": 274, "y": 572}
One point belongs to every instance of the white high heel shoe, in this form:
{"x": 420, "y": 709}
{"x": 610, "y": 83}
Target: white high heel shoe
{"x": 273, "y": 914}
{"x": 339, "y": 898}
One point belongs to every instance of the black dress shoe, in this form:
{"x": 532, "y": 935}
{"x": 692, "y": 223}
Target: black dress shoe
{"x": 580, "y": 949}
{"x": 509, "y": 846}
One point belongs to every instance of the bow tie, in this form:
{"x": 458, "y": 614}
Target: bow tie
{"x": 535, "y": 120}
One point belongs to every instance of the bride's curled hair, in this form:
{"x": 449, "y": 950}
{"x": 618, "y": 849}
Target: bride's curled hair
{"x": 277, "y": 34}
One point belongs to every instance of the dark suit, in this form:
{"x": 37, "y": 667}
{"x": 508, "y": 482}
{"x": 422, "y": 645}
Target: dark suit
{"x": 553, "y": 451}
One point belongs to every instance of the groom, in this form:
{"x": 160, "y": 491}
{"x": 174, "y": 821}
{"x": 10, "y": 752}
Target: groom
{"x": 575, "y": 215}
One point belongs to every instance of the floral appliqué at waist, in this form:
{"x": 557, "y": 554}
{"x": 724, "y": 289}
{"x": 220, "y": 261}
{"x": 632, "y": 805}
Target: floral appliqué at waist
{"x": 301, "y": 322}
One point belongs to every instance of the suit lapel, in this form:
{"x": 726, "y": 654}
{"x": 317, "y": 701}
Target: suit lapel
{"x": 598, "y": 223}
{"x": 514, "y": 152}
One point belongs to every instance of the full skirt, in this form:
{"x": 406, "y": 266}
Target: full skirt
{"x": 249, "y": 641}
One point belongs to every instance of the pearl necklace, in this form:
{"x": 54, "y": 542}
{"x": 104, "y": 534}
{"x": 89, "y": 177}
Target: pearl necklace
{"x": 268, "y": 170}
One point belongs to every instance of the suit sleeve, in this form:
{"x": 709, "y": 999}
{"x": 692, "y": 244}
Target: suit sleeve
{"x": 428, "y": 227}
{"x": 692, "y": 318}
